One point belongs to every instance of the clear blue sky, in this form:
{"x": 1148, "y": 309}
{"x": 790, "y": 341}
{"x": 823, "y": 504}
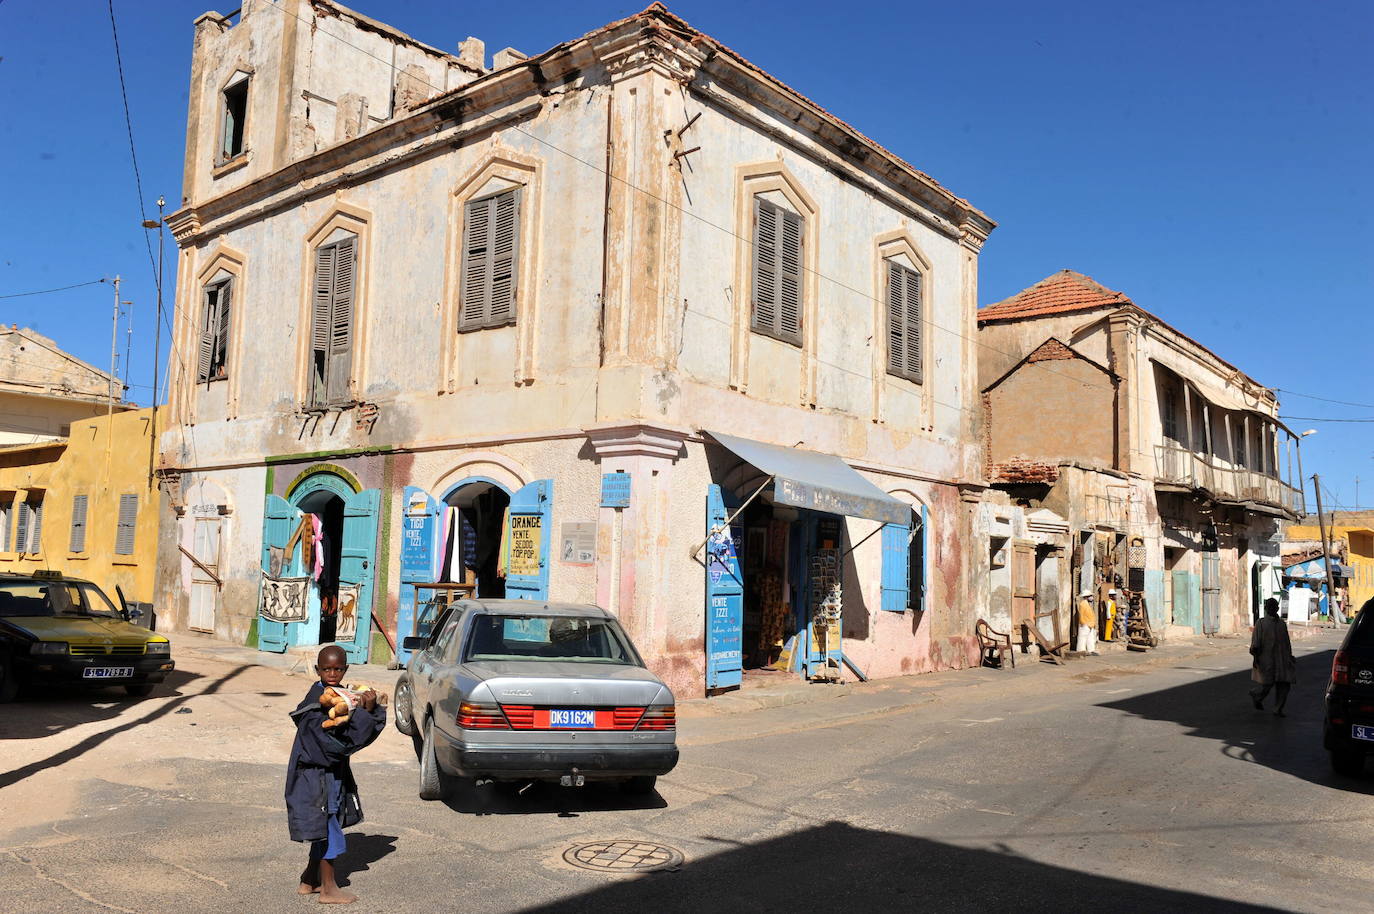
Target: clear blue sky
{"x": 1210, "y": 159}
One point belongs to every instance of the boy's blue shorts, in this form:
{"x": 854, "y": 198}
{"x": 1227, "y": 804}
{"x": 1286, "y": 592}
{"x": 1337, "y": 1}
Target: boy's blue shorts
{"x": 334, "y": 843}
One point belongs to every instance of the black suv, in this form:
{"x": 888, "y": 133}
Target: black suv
{"x": 1349, "y": 730}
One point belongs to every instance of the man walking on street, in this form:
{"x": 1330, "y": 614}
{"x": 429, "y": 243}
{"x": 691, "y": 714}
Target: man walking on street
{"x": 1275, "y": 667}
{"x": 1087, "y": 625}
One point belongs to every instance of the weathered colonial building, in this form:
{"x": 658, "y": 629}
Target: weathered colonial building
{"x": 1168, "y": 463}
{"x": 44, "y": 389}
{"x": 627, "y": 322}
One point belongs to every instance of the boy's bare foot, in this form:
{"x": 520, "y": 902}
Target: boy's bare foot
{"x": 310, "y": 879}
{"x": 337, "y": 896}
{"x": 306, "y": 888}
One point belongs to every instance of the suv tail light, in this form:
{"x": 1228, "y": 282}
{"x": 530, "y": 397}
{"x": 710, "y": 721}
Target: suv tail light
{"x": 473, "y": 716}
{"x": 660, "y": 718}
{"x": 1340, "y": 669}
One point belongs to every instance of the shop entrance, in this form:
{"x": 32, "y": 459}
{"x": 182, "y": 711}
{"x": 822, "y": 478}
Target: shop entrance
{"x": 326, "y": 553}
{"x": 474, "y": 523}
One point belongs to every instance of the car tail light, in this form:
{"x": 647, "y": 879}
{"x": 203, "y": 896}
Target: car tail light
{"x": 1340, "y": 669}
{"x": 626, "y": 718}
{"x": 662, "y": 718}
{"x": 521, "y": 717}
{"x": 472, "y": 716}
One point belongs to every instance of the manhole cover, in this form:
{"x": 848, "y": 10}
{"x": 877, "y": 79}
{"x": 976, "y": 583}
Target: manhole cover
{"x": 623, "y": 856}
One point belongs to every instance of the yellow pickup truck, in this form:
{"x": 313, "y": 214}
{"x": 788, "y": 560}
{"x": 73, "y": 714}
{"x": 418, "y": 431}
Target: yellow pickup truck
{"x": 58, "y": 630}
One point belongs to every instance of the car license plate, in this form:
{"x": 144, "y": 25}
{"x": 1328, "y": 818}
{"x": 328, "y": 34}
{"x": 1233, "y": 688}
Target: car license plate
{"x": 565, "y": 719}
{"x": 107, "y": 672}
{"x": 1364, "y": 733}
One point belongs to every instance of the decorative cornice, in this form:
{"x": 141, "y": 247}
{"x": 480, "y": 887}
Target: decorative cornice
{"x": 636, "y": 439}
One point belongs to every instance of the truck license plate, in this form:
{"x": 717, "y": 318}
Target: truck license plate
{"x": 565, "y": 719}
{"x": 107, "y": 672}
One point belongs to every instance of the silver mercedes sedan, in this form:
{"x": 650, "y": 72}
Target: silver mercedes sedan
{"x": 518, "y": 690}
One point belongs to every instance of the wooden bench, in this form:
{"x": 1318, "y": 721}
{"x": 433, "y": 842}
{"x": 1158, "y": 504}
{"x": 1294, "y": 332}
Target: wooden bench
{"x": 994, "y": 646}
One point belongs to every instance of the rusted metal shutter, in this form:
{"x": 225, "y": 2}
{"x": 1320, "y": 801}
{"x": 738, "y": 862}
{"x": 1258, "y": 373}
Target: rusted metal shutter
{"x": 78, "y": 537}
{"x": 124, "y": 531}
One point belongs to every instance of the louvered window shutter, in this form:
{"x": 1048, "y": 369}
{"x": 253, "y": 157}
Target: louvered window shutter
{"x": 78, "y": 538}
{"x": 7, "y": 520}
{"x": 903, "y": 322}
{"x": 789, "y": 273}
{"x": 219, "y": 357}
{"x": 505, "y": 230}
{"x": 207, "y": 335}
{"x": 341, "y": 320}
{"x": 36, "y": 529}
{"x": 124, "y": 532}
{"x": 21, "y": 540}
{"x": 491, "y": 246}
{"x": 777, "y": 271}
{"x": 765, "y": 266}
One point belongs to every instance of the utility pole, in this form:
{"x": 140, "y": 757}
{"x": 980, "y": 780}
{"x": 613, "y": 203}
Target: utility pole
{"x": 114, "y": 350}
{"x": 157, "y": 341}
{"x": 1326, "y": 550}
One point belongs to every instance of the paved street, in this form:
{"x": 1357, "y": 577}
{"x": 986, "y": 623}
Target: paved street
{"x": 1136, "y": 783}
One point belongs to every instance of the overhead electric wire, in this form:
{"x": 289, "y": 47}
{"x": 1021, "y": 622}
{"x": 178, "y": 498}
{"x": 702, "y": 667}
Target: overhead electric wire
{"x": 1323, "y": 419}
{"x": 1323, "y": 399}
{"x": 76, "y": 285}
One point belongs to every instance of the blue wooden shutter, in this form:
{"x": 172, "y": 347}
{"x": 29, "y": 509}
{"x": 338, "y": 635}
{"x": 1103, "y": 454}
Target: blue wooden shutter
{"x": 533, "y": 501}
{"x": 279, "y": 519}
{"x": 420, "y": 532}
{"x": 894, "y": 590}
{"x": 724, "y": 599}
{"x": 357, "y": 564}
{"x": 78, "y": 539}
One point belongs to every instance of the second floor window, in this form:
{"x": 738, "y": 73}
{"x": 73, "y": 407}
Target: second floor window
{"x": 78, "y": 537}
{"x": 214, "y": 331}
{"x": 331, "y": 321}
{"x": 235, "y": 97}
{"x": 777, "y": 281}
{"x": 903, "y": 322}
{"x": 29, "y": 528}
{"x": 491, "y": 245}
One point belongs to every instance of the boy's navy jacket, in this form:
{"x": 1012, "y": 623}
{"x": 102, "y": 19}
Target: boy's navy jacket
{"x": 320, "y": 755}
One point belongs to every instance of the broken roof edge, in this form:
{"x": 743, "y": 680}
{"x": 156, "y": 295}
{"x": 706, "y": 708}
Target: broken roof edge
{"x": 981, "y": 224}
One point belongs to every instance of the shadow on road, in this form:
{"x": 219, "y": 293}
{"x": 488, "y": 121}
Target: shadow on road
{"x": 86, "y": 745}
{"x": 502, "y": 799}
{"x": 45, "y": 710}
{"x": 836, "y": 867}
{"x": 1218, "y": 708}
{"x": 362, "y": 852}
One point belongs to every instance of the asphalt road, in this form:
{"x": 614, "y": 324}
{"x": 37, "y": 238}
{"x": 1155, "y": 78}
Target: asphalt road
{"x": 1152, "y": 787}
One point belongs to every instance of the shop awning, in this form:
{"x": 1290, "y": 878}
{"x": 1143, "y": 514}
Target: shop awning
{"x": 821, "y": 482}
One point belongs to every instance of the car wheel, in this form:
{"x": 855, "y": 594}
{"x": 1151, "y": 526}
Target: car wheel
{"x": 404, "y": 707}
{"x": 641, "y": 785}
{"x": 431, "y": 778}
{"x": 138, "y": 689}
{"x": 1350, "y": 764}
{"x": 9, "y": 683}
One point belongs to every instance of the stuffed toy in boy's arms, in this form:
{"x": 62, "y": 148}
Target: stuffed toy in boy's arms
{"x": 339, "y": 702}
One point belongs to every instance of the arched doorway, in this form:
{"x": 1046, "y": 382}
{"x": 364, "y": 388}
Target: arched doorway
{"x": 472, "y": 550}
{"x": 329, "y": 508}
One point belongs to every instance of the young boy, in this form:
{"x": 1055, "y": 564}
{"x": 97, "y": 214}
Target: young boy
{"x": 321, "y": 795}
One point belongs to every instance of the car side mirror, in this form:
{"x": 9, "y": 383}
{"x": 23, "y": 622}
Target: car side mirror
{"x": 414, "y": 643}
{"x": 132, "y": 613}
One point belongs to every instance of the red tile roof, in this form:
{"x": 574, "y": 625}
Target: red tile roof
{"x": 1060, "y": 293}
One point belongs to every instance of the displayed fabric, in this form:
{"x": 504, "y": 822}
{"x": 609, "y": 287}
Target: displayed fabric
{"x": 304, "y": 534}
{"x": 450, "y": 533}
{"x": 503, "y": 561}
{"x": 346, "y": 628}
{"x": 317, "y": 528}
{"x": 283, "y": 599}
{"x": 276, "y": 561}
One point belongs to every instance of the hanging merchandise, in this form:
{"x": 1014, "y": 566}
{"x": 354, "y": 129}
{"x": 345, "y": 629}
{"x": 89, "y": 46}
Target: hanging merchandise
{"x": 450, "y": 524}
{"x": 503, "y": 562}
{"x": 827, "y": 604}
{"x": 304, "y": 534}
{"x": 283, "y": 600}
{"x": 317, "y": 526}
{"x": 347, "y": 625}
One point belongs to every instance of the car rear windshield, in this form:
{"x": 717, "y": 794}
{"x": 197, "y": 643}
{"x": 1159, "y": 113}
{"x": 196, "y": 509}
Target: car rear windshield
{"x": 553, "y": 638}
{"x": 1362, "y": 632}
{"x": 53, "y": 598}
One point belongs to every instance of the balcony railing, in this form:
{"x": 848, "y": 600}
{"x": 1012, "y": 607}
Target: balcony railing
{"x": 1177, "y": 465}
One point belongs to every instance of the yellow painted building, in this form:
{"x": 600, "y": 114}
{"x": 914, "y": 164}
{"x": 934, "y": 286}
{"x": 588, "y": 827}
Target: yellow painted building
{"x": 86, "y": 505}
{"x": 1356, "y": 530}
